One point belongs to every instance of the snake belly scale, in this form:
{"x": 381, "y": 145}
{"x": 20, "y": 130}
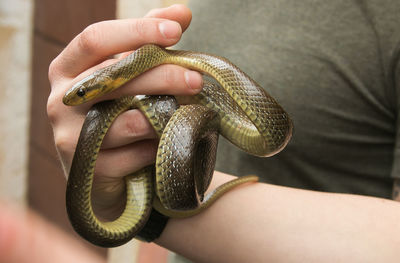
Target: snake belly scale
{"x": 230, "y": 104}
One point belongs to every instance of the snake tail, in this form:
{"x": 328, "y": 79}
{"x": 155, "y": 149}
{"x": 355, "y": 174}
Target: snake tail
{"x": 233, "y": 105}
{"x": 208, "y": 200}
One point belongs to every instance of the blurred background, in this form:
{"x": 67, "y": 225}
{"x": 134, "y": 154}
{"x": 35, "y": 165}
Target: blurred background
{"x": 32, "y": 33}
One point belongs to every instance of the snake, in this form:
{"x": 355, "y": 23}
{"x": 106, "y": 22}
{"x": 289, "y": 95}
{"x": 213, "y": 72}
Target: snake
{"x": 230, "y": 103}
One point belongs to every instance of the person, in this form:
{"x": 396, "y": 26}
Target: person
{"x": 333, "y": 67}
{"x": 27, "y": 237}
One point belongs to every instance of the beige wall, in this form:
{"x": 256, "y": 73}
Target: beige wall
{"x": 15, "y": 62}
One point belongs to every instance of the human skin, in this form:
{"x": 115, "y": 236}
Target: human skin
{"x": 25, "y": 237}
{"x": 130, "y": 142}
{"x": 253, "y": 223}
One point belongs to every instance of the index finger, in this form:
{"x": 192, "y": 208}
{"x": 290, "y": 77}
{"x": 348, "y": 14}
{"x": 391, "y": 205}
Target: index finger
{"x": 101, "y": 40}
{"x": 171, "y": 12}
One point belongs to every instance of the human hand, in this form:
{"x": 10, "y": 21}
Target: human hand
{"x": 131, "y": 142}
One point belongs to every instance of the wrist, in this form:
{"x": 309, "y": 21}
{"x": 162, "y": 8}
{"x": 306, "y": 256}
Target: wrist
{"x": 154, "y": 226}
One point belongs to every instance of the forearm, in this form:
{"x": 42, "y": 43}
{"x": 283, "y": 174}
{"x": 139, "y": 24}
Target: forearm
{"x": 261, "y": 222}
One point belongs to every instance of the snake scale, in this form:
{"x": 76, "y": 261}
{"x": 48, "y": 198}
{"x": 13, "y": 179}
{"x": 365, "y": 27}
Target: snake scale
{"x": 231, "y": 104}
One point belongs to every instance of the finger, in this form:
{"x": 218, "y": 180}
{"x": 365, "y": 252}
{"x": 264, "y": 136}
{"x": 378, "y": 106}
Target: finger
{"x": 101, "y": 40}
{"x": 161, "y": 80}
{"x": 131, "y": 126}
{"x": 171, "y": 12}
{"x": 119, "y": 162}
{"x": 166, "y": 79}
{"x": 25, "y": 237}
{"x": 128, "y": 144}
{"x": 55, "y": 107}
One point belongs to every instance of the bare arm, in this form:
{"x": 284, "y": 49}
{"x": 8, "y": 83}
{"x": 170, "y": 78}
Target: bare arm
{"x": 261, "y": 222}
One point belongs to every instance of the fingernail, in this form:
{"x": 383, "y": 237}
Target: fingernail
{"x": 170, "y": 29}
{"x": 193, "y": 79}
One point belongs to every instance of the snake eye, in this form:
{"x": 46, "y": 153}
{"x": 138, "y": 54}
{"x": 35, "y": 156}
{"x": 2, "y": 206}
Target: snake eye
{"x": 81, "y": 92}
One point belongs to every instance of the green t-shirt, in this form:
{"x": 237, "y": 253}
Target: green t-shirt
{"x": 333, "y": 65}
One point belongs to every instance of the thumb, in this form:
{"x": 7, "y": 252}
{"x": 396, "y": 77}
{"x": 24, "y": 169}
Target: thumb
{"x": 178, "y": 13}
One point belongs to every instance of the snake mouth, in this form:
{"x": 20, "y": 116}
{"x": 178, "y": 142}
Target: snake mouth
{"x": 78, "y": 95}
{"x": 74, "y": 96}
{"x": 72, "y": 100}
{"x": 178, "y": 189}
{"x": 67, "y": 99}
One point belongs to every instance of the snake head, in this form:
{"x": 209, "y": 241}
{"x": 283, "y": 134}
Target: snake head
{"x": 74, "y": 96}
{"x": 85, "y": 90}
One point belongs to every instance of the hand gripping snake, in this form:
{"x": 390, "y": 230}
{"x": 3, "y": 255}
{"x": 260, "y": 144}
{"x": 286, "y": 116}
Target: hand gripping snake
{"x": 231, "y": 103}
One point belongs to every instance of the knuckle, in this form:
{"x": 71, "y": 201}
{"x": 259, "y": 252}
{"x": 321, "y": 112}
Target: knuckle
{"x": 132, "y": 129}
{"x": 89, "y": 40}
{"x": 171, "y": 77}
{"x": 53, "y": 70}
{"x": 64, "y": 143}
{"x": 138, "y": 127}
{"x": 51, "y": 107}
{"x": 139, "y": 28}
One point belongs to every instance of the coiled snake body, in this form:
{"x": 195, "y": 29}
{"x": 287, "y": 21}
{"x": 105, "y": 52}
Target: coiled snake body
{"x": 234, "y": 105}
